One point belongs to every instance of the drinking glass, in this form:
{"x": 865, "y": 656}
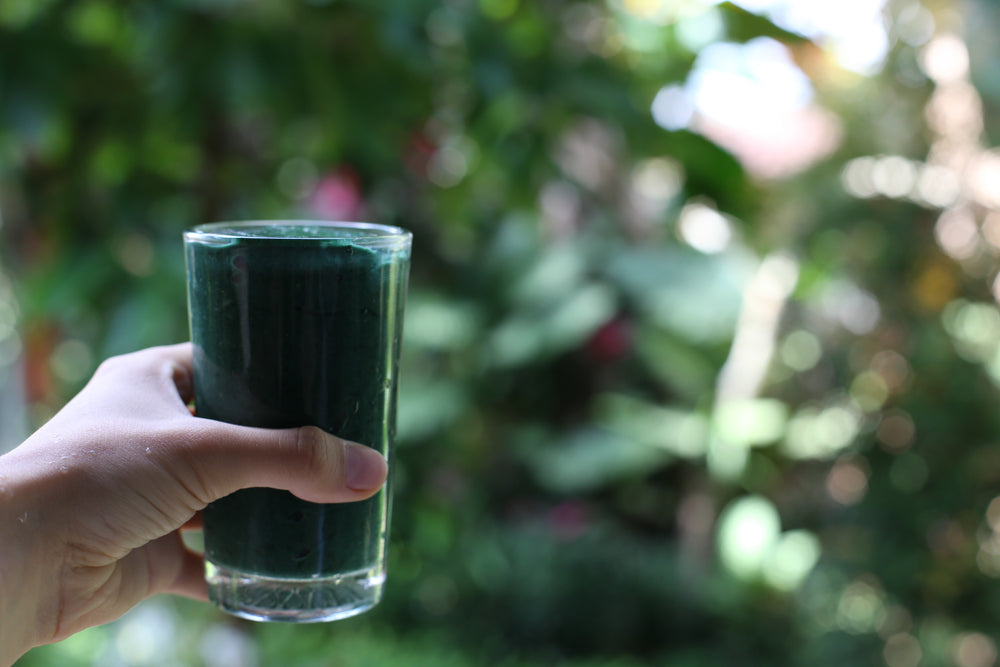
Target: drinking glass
{"x": 297, "y": 323}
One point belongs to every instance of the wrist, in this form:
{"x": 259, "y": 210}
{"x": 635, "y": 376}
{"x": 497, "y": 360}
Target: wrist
{"x": 20, "y": 571}
{"x": 13, "y": 640}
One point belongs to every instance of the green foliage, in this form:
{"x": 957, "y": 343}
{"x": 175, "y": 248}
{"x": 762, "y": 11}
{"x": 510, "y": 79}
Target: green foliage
{"x": 615, "y": 448}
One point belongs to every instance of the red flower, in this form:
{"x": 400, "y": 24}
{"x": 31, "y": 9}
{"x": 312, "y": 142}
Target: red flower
{"x": 611, "y": 342}
{"x": 419, "y": 153}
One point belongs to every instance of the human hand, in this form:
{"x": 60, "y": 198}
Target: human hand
{"x": 92, "y": 504}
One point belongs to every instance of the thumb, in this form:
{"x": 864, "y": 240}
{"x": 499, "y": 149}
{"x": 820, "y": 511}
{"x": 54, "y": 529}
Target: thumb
{"x": 308, "y": 461}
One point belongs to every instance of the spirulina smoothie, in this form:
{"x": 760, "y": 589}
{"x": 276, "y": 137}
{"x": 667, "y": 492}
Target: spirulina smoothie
{"x": 295, "y": 324}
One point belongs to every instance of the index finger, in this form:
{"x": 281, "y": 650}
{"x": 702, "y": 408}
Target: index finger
{"x": 181, "y": 359}
{"x": 167, "y": 364}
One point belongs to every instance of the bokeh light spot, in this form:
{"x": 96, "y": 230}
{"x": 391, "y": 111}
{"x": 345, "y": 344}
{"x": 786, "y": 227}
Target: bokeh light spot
{"x": 792, "y": 559}
{"x": 136, "y": 254}
{"x": 71, "y": 360}
{"x": 748, "y": 530}
{"x": 297, "y": 177}
{"x": 861, "y": 608}
{"x": 672, "y": 108}
{"x": 801, "y": 350}
{"x": 820, "y": 433}
{"x": 974, "y": 649}
{"x": 957, "y": 233}
{"x": 893, "y": 176}
{"x": 704, "y": 228}
{"x": 902, "y": 650}
{"x": 896, "y": 431}
{"x": 847, "y": 482}
{"x": 945, "y": 59}
{"x": 869, "y": 391}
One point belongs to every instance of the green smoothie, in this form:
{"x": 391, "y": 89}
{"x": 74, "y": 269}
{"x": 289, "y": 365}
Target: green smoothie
{"x": 295, "y": 324}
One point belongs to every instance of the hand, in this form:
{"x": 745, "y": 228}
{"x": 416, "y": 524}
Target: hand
{"x": 92, "y": 504}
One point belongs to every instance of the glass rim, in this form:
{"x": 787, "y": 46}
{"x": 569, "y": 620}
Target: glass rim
{"x": 243, "y": 230}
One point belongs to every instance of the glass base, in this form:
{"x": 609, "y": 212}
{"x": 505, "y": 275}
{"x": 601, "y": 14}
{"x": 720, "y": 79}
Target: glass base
{"x": 313, "y": 600}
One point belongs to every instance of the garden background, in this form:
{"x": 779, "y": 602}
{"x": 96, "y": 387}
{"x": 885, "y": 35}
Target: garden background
{"x": 702, "y": 349}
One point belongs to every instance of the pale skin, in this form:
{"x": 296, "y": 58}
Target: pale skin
{"x": 92, "y": 505}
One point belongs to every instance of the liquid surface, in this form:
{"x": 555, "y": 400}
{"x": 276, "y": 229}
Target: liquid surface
{"x": 289, "y": 333}
{"x": 362, "y": 234}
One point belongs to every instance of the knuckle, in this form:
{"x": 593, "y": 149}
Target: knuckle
{"x": 145, "y": 358}
{"x": 312, "y": 449}
{"x": 123, "y": 365}
{"x": 189, "y": 459}
{"x": 110, "y": 365}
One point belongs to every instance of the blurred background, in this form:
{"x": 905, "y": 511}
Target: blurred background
{"x": 702, "y": 349}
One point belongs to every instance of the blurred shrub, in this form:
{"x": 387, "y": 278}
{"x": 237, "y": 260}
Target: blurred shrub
{"x": 676, "y": 389}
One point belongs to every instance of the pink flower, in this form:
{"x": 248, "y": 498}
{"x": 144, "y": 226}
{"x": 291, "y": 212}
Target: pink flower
{"x": 337, "y": 196}
{"x": 569, "y": 519}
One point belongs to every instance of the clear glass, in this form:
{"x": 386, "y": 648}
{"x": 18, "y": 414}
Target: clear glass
{"x": 294, "y": 323}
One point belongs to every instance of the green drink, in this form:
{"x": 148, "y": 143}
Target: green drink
{"x": 297, "y": 323}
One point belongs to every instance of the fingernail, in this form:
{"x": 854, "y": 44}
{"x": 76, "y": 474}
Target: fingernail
{"x": 366, "y": 468}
